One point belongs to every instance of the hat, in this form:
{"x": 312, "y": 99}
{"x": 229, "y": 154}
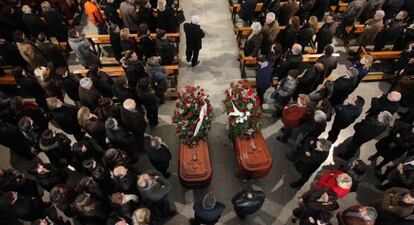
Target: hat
{"x": 85, "y": 82}
{"x": 344, "y": 181}
{"x": 209, "y": 201}
{"x": 129, "y": 104}
{"x": 296, "y": 49}
{"x": 352, "y": 72}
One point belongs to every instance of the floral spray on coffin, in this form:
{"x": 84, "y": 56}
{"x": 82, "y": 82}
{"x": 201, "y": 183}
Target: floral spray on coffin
{"x": 193, "y": 116}
{"x": 244, "y": 123}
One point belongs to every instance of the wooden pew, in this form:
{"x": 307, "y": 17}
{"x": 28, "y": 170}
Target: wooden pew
{"x": 312, "y": 58}
{"x": 234, "y": 9}
{"x": 355, "y": 29}
{"x": 381, "y": 55}
{"x": 340, "y": 8}
{"x": 100, "y": 39}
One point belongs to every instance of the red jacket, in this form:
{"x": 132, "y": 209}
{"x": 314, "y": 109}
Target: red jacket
{"x": 293, "y": 114}
{"x": 328, "y": 181}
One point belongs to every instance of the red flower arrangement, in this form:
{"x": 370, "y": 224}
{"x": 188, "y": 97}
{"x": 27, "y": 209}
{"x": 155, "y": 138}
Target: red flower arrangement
{"x": 243, "y": 111}
{"x": 191, "y": 106}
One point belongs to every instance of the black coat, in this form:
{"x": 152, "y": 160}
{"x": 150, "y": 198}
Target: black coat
{"x": 343, "y": 87}
{"x": 247, "y": 9}
{"x": 160, "y": 158}
{"x": 208, "y": 215}
{"x": 311, "y": 200}
{"x": 65, "y": 117}
{"x": 245, "y": 206}
{"x": 288, "y": 37}
{"x": 12, "y": 180}
{"x": 122, "y": 139}
{"x": 53, "y": 53}
{"x": 309, "y": 81}
{"x": 70, "y": 85}
{"x": 64, "y": 202}
{"x": 115, "y": 41}
{"x": 309, "y": 164}
{"x": 406, "y": 179}
{"x": 125, "y": 210}
{"x": 12, "y": 138}
{"x": 96, "y": 129}
{"x": 305, "y": 35}
{"x": 30, "y": 85}
{"x": 291, "y": 62}
{"x": 345, "y": 115}
{"x": 134, "y": 122}
{"x": 148, "y": 46}
{"x": 330, "y": 62}
{"x": 166, "y": 50}
{"x": 271, "y": 6}
{"x": 34, "y": 24}
{"x": 93, "y": 150}
{"x": 89, "y": 98}
{"x": 48, "y": 180}
{"x": 193, "y": 34}
{"x": 126, "y": 184}
{"x": 253, "y": 45}
{"x": 382, "y": 104}
{"x": 133, "y": 71}
{"x": 325, "y": 35}
{"x": 319, "y": 9}
{"x": 102, "y": 82}
{"x": 166, "y": 20}
{"x": 58, "y": 152}
{"x": 56, "y": 24}
{"x": 368, "y": 129}
{"x": 25, "y": 208}
{"x": 391, "y": 146}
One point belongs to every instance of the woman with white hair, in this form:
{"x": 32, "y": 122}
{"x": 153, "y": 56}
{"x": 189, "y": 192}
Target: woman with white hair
{"x": 166, "y": 17}
{"x": 372, "y": 28}
{"x": 366, "y": 130}
{"x": 254, "y": 42}
{"x": 193, "y": 34}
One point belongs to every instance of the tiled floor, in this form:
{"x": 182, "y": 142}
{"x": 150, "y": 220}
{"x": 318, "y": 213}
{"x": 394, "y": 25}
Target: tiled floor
{"x": 218, "y": 68}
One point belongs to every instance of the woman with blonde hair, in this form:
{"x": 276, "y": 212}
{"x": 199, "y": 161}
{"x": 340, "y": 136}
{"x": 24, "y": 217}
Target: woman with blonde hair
{"x": 141, "y": 216}
{"x": 92, "y": 125}
{"x": 307, "y": 32}
{"x": 128, "y": 42}
{"x": 166, "y": 17}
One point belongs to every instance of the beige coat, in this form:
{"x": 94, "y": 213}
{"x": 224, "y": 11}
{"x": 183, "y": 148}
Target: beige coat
{"x": 372, "y": 28}
{"x": 31, "y": 54}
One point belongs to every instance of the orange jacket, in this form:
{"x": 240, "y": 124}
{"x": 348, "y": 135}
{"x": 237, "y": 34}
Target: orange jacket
{"x": 94, "y": 13}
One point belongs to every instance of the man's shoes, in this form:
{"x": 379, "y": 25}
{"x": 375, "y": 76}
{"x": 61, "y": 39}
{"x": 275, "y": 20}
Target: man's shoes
{"x": 289, "y": 157}
{"x": 188, "y": 59}
{"x": 295, "y": 185}
{"x": 195, "y": 63}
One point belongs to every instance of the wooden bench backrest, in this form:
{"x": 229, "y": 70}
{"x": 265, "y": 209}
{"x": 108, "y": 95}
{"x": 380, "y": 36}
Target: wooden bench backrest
{"x": 245, "y": 31}
{"x": 236, "y": 8}
{"x": 381, "y": 55}
{"x": 341, "y": 7}
{"x": 104, "y": 38}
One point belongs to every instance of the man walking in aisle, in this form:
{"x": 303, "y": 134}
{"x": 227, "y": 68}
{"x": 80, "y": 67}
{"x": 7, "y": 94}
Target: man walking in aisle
{"x": 193, "y": 34}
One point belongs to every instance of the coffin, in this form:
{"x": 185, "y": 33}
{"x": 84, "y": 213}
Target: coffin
{"x": 253, "y": 157}
{"x": 194, "y": 165}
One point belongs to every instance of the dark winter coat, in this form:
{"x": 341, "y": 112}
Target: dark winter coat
{"x": 34, "y": 24}
{"x": 208, "y": 216}
{"x": 53, "y": 53}
{"x": 319, "y": 9}
{"x": 133, "y": 71}
{"x": 343, "y": 87}
{"x": 264, "y": 77}
{"x": 56, "y": 24}
{"x": 102, "y": 82}
{"x": 345, "y": 115}
{"x": 330, "y": 63}
{"x": 193, "y": 34}
{"x": 391, "y": 146}
{"x": 58, "y": 152}
{"x": 70, "y": 85}
{"x": 89, "y": 98}
{"x": 166, "y": 20}
{"x": 382, "y": 104}
{"x": 368, "y": 129}
{"x": 247, "y": 9}
{"x": 309, "y": 81}
{"x": 48, "y": 180}
{"x": 166, "y": 50}
{"x": 291, "y": 62}
{"x": 253, "y": 45}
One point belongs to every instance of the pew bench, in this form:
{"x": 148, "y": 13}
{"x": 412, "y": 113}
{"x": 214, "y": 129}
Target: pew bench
{"x": 355, "y": 29}
{"x": 380, "y": 55}
{"x": 377, "y": 76}
{"x": 340, "y": 8}
{"x": 234, "y": 9}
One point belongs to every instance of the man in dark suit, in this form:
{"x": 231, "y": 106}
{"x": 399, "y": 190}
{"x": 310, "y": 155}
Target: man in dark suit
{"x": 345, "y": 115}
{"x": 159, "y": 154}
{"x": 292, "y": 62}
{"x": 366, "y": 130}
{"x": 247, "y": 202}
{"x": 207, "y": 211}
{"x": 343, "y": 86}
{"x": 124, "y": 180}
{"x": 52, "y": 51}
{"x": 193, "y": 34}
{"x": 263, "y": 77}
{"x": 119, "y": 137}
{"x": 325, "y": 35}
{"x": 328, "y": 60}
{"x": 389, "y": 102}
{"x": 22, "y": 207}
{"x": 134, "y": 121}
{"x": 29, "y": 84}
{"x": 246, "y": 13}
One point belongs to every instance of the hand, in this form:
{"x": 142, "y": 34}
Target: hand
{"x": 300, "y": 201}
{"x": 311, "y": 220}
{"x": 307, "y": 154}
{"x": 400, "y": 168}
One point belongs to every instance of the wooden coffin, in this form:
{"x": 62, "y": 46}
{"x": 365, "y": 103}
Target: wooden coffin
{"x": 253, "y": 157}
{"x": 194, "y": 165}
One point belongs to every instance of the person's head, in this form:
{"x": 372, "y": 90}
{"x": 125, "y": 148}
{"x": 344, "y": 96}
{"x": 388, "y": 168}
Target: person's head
{"x": 83, "y": 116}
{"x": 358, "y": 101}
{"x": 352, "y": 72}
{"x": 37, "y": 168}
{"x": 84, "y": 203}
{"x": 124, "y": 34}
{"x": 114, "y": 28}
{"x": 161, "y": 4}
{"x": 42, "y": 73}
{"x": 385, "y": 117}
{"x": 303, "y": 100}
{"x": 368, "y": 214}
{"x": 86, "y": 184}
{"x": 62, "y": 71}
{"x": 115, "y": 156}
{"x": 117, "y": 198}
{"x": 45, "y": 6}
{"x": 401, "y": 15}
{"x": 394, "y": 96}
{"x": 329, "y": 19}
{"x": 195, "y": 20}
{"x": 323, "y": 145}
{"x": 111, "y": 124}
{"x": 319, "y": 67}
{"x": 129, "y": 104}
{"x": 26, "y": 9}
{"x": 261, "y": 59}
{"x": 89, "y": 164}
{"x": 296, "y": 49}
{"x": 143, "y": 29}
{"x": 270, "y": 17}
{"x": 144, "y": 180}
{"x": 78, "y": 147}
{"x": 93, "y": 69}
{"x": 161, "y": 34}
{"x": 293, "y": 74}
{"x": 58, "y": 193}
{"x": 73, "y": 33}
{"x": 155, "y": 142}
{"x": 256, "y": 27}
{"x": 131, "y": 56}
{"x": 154, "y": 61}
{"x": 120, "y": 171}
{"x": 16, "y": 103}
{"x": 313, "y": 21}
{"x": 86, "y": 83}
{"x": 344, "y": 181}
{"x": 319, "y": 116}
{"x": 18, "y": 36}
{"x": 25, "y": 123}
{"x": 367, "y": 61}
{"x": 47, "y": 138}
{"x": 359, "y": 167}
{"x": 295, "y": 22}
{"x": 379, "y": 15}
{"x": 409, "y": 198}
{"x": 54, "y": 103}
{"x": 209, "y": 201}
{"x": 40, "y": 222}
{"x": 141, "y": 216}
{"x": 328, "y": 50}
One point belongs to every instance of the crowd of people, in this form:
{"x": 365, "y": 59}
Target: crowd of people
{"x": 108, "y": 117}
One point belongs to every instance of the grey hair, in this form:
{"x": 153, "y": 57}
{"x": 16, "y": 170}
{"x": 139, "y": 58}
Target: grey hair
{"x": 325, "y": 144}
{"x": 26, "y": 9}
{"x": 371, "y": 214}
{"x": 256, "y": 27}
{"x": 319, "y": 116}
{"x": 209, "y": 201}
{"x": 385, "y": 117}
